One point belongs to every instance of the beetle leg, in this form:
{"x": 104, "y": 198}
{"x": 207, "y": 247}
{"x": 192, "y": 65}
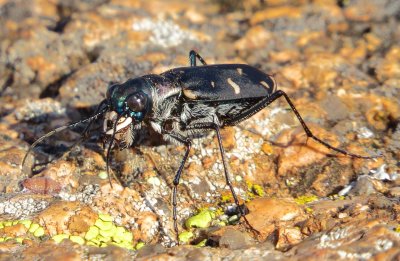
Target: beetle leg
{"x": 215, "y": 127}
{"x": 177, "y": 177}
{"x": 192, "y": 58}
{"x": 279, "y": 93}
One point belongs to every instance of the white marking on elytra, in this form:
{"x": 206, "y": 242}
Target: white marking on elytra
{"x": 240, "y": 71}
{"x": 236, "y": 88}
{"x": 265, "y": 85}
{"x": 190, "y": 94}
{"x": 212, "y": 84}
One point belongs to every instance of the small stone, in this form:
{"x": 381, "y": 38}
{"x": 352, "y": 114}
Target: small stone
{"x": 154, "y": 181}
{"x": 234, "y": 239}
{"x": 103, "y": 175}
{"x": 42, "y": 185}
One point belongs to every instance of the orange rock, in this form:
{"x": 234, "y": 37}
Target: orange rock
{"x": 62, "y": 172}
{"x": 296, "y": 153}
{"x": 17, "y": 230}
{"x": 148, "y": 223}
{"x": 288, "y": 237}
{"x": 255, "y": 37}
{"x": 275, "y": 12}
{"x": 267, "y": 213}
{"x": 66, "y": 217}
{"x": 42, "y": 185}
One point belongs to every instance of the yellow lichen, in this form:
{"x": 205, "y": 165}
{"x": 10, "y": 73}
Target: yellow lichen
{"x": 102, "y": 233}
{"x": 397, "y": 229}
{"x": 302, "y": 200}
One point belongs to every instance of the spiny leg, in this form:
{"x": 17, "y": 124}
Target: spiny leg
{"x": 215, "y": 127}
{"x": 268, "y": 100}
{"x": 192, "y": 58}
{"x": 228, "y": 180}
{"x": 177, "y": 177}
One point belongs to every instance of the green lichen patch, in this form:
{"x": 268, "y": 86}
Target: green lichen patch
{"x": 139, "y": 245}
{"x": 32, "y": 228}
{"x": 397, "y": 229}
{"x": 185, "y": 236}
{"x": 201, "y": 220}
{"x": 102, "y": 233}
{"x": 254, "y": 190}
{"x": 77, "y": 239}
{"x": 202, "y": 243}
{"x": 302, "y": 200}
{"x": 39, "y": 232}
{"x": 60, "y": 237}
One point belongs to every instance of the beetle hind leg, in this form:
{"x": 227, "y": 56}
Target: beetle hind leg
{"x": 274, "y": 96}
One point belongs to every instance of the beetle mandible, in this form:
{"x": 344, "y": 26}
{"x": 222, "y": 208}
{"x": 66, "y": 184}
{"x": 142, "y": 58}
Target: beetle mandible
{"x": 186, "y": 102}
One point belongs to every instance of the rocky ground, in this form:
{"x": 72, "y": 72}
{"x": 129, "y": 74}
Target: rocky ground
{"x": 339, "y": 61}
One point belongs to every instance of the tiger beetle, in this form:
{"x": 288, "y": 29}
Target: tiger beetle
{"x": 184, "y": 103}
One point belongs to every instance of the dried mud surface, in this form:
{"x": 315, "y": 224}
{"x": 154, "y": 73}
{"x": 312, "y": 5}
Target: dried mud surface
{"x": 339, "y": 62}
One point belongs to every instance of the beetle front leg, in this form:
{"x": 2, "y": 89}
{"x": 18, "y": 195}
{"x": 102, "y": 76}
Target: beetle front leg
{"x": 177, "y": 177}
{"x": 192, "y": 58}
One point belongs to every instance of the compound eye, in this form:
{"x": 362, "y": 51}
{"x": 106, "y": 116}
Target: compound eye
{"x": 137, "y": 102}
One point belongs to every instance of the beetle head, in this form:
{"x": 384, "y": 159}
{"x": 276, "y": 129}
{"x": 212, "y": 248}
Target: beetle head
{"x": 129, "y": 105}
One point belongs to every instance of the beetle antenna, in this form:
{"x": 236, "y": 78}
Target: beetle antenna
{"x": 59, "y": 129}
